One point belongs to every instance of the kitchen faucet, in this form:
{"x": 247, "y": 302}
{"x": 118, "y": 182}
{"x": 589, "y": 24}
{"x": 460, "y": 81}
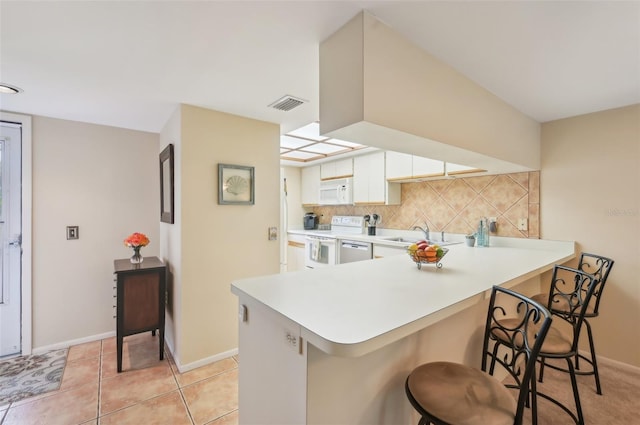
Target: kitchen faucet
{"x": 425, "y": 230}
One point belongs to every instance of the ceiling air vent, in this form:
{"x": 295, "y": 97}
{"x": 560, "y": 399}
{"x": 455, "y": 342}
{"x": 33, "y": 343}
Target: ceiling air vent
{"x": 287, "y": 103}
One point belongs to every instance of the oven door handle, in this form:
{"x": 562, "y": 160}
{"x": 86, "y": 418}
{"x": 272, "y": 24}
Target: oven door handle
{"x": 325, "y": 241}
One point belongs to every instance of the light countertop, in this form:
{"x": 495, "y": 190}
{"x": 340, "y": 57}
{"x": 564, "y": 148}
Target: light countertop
{"x": 355, "y": 308}
{"x": 382, "y": 236}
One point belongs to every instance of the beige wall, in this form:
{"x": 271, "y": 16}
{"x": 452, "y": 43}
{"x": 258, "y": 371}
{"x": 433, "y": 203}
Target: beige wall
{"x": 105, "y": 180}
{"x": 590, "y": 191}
{"x": 373, "y": 79}
{"x": 218, "y": 243}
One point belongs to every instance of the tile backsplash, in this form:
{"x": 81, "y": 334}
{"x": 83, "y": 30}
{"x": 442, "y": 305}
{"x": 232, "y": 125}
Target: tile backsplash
{"x": 455, "y": 205}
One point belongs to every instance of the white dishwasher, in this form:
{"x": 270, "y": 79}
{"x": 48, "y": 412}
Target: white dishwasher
{"x": 351, "y": 251}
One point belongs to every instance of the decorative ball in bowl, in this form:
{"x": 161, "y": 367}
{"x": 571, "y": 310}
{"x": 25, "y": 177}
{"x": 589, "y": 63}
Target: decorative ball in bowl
{"x": 423, "y": 253}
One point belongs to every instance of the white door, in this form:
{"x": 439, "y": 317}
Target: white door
{"x": 10, "y": 238}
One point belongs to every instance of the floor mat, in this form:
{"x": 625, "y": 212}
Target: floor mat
{"x": 27, "y": 376}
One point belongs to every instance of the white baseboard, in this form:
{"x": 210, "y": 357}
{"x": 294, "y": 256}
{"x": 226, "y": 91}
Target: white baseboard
{"x": 203, "y": 362}
{"x": 181, "y": 368}
{"x": 67, "y": 344}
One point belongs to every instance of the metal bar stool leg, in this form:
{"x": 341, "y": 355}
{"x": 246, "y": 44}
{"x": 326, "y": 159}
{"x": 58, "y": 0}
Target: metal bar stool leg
{"x": 534, "y": 401}
{"x": 541, "y": 374}
{"x": 594, "y": 362}
{"x": 576, "y": 395}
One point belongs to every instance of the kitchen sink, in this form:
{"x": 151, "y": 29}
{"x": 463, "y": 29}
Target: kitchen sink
{"x": 414, "y": 240}
{"x": 401, "y": 239}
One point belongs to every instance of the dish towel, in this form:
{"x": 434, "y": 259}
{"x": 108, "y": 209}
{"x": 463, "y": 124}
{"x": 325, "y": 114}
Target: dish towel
{"x": 315, "y": 250}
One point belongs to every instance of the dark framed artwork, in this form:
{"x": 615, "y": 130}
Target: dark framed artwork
{"x": 166, "y": 185}
{"x": 236, "y": 185}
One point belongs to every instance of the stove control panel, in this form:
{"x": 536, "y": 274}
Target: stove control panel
{"x": 352, "y": 223}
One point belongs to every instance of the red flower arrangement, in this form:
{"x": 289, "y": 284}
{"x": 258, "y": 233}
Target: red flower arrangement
{"x": 136, "y": 240}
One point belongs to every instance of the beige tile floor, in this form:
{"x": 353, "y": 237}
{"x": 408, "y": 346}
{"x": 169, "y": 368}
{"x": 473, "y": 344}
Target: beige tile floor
{"x": 148, "y": 391}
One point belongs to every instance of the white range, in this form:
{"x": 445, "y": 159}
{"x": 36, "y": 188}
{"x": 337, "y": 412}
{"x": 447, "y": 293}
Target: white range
{"x": 321, "y": 246}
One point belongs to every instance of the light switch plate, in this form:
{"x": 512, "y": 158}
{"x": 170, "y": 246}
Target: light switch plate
{"x": 73, "y": 232}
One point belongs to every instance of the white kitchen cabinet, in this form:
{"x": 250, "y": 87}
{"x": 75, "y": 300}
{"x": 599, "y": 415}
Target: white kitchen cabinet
{"x": 381, "y": 251}
{"x": 336, "y": 169}
{"x": 426, "y": 167}
{"x": 370, "y": 185}
{"x": 402, "y": 166}
{"x": 310, "y": 185}
{"x": 295, "y": 252}
{"x": 269, "y": 338}
{"x": 399, "y": 165}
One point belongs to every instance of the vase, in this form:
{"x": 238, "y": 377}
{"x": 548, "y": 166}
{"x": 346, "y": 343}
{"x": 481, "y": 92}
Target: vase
{"x": 136, "y": 258}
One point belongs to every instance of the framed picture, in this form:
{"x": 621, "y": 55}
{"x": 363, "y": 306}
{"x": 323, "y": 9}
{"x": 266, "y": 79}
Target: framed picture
{"x": 166, "y": 185}
{"x": 235, "y": 185}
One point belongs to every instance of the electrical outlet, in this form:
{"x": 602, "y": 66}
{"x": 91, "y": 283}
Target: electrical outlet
{"x": 292, "y": 340}
{"x": 522, "y": 224}
{"x": 273, "y": 233}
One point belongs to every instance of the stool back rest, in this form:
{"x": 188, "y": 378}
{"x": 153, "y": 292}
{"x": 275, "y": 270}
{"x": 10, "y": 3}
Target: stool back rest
{"x": 599, "y": 267}
{"x": 572, "y": 289}
{"x": 527, "y": 326}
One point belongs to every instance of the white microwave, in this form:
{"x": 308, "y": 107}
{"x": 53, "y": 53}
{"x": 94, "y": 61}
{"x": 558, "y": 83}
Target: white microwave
{"x": 336, "y": 192}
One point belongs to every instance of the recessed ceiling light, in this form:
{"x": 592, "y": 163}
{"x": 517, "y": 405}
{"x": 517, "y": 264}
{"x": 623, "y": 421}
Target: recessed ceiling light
{"x": 9, "y": 89}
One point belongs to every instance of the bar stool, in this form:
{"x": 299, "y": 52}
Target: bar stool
{"x": 573, "y": 289}
{"x": 599, "y": 267}
{"x": 450, "y": 393}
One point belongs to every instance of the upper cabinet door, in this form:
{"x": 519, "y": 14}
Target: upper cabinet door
{"x": 336, "y": 169}
{"x": 370, "y": 183}
{"x": 361, "y": 178}
{"x": 377, "y": 180}
{"x": 402, "y": 166}
{"x": 425, "y": 167}
{"x": 310, "y": 185}
{"x": 399, "y": 165}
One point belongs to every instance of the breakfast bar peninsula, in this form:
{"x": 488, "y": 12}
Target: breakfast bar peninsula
{"x": 334, "y": 345}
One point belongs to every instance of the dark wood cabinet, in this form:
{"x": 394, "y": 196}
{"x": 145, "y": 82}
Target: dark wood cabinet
{"x": 140, "y": 300}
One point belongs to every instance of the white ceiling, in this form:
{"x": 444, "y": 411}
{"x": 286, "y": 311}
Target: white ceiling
{"x": 129, "y": 64}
